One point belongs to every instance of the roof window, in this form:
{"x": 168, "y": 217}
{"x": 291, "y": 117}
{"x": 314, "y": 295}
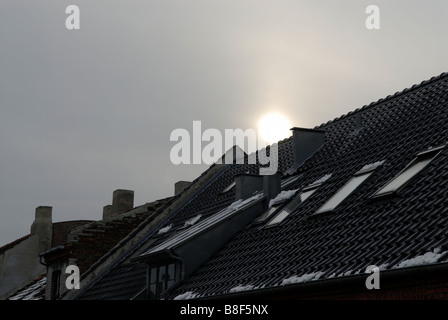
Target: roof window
{"x": 229, "y": 187}
{"x": 290, "y": 207}
{"x": 359, "y": 177}
{"x": 412, "y": 169}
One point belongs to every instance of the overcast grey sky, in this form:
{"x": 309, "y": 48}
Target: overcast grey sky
{"x": 85, "y": 112}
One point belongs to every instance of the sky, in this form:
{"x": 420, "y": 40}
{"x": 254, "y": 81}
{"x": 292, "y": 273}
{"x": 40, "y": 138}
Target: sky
{"x": 85, "y": 112}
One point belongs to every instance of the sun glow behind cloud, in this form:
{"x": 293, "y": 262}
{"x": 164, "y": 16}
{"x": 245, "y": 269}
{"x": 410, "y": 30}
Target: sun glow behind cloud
{"x": 274, "y": 127}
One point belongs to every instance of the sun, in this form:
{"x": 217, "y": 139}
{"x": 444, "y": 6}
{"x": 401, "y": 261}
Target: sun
{"x": 274, "y": 127}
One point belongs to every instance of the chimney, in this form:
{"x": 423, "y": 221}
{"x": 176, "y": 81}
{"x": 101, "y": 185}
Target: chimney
{"x": 246, "y": 185}
{"x": 123, "y": 200}
{"x": 305, "y": 143}
{"x": 272, "y": 185}
{"x": 43, "y": 226}
{"x": 180, "y": 186}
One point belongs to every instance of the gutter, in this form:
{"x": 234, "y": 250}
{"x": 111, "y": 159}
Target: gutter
{"x": 49, "y": 251}
{"x": 388, "y": 279}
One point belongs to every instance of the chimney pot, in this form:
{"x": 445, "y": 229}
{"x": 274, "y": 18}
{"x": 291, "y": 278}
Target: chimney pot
{"x": 123, "y": 200}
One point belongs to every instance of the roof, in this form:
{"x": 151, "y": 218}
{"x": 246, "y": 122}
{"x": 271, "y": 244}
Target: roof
{"x": 35, "y": 290}
{"x": 396, "y": 232}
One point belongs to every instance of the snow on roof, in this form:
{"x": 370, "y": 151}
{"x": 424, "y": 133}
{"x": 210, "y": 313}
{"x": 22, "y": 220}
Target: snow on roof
{"x": 186, "y": 296}
{"x": 303, "y": 278}
{"x": 282, "y": 196}
{"x": 33, "y": 292}
{"x": 204, "y": 224}
{"x": 373, "y": 165}
{"x": 323, "y": 179}
{"x": 165, "y": 229}
{"x": 193, "y": 220}
{"x": 242, "y": 288}
{"x": 427, "y": 258}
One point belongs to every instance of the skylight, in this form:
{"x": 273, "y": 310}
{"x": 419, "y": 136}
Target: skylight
{"x": 205, "y": 224}
{"x": 289, "y": 181}
{"x": 286, "y": 211}
{"x": 229, "y": 187}
{"x": 305, "y": 194}
{"x": 349, "y": 187}
{"x": 412, "y": 169}
{"x": 266, "y": 214}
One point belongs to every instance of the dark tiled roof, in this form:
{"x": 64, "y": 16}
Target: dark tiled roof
{"x": 35, "y": 290}
{"x": 358, "y": 233}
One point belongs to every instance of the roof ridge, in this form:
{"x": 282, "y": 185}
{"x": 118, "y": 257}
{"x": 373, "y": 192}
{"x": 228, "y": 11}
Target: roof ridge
{"x": 372, "y": 104}
{"x": 389, "y": 97}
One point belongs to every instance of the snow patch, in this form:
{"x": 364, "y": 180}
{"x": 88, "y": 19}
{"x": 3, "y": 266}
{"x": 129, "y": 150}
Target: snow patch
{"x": 186, "y": 296}
{"x": 382, "y": 267}
{"x": 192, "y": 221}
{"x": 427, "y": 258}
{"x": 323, "y": 179}
{"x": 240, "y": 203}
{"x": 303, "y": 278}
{"x": 165, "y": 229}
{"x": 33, "y": 292}
{"x": 241, "y": 288}
{"x": 373, "y": 165}
{"x": 282, "y": 196}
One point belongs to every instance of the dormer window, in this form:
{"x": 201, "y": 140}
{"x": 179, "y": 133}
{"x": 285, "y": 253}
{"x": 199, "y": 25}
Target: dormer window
{"x": 349, "y": 187}
{"x": 55, "y": 284}
{"x": 411, "y": 170}
{"x": 162, "y": 277}
{"x": 178, "y": 256}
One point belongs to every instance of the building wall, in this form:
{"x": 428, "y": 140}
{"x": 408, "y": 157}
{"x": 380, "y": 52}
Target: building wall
{"x": 20, "y": 265}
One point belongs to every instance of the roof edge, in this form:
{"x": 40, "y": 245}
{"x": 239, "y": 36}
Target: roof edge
{"x": 388, "y": 98}
{"x": 389, "y": 278}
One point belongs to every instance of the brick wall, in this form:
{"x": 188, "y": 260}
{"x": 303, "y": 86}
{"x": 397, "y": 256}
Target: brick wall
{"x": 96, "y": 240}
{"x": 62, "y": 229}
